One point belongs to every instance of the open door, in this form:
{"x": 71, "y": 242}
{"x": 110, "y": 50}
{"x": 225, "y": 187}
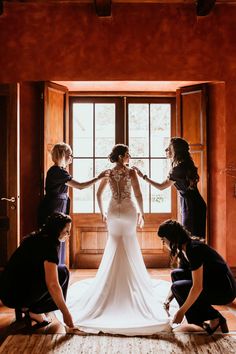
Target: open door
{"x": 54, "y": 126}
{"x": 9, "y": 171}
{"x": 55, "y": 114}
{"x": 192, "y": 126}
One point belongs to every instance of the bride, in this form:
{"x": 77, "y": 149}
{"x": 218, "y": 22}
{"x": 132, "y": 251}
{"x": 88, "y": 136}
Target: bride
{"x": 122, "y": 298}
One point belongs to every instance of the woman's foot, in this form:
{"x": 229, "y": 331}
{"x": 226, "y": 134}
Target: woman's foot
{"x": 219, "y": 322}
{"x": 40, "y": 319}
{"x": 214, "y": 323}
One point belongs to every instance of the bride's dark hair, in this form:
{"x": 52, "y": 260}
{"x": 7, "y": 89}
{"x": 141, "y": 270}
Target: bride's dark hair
{"x": 118, "y": 150}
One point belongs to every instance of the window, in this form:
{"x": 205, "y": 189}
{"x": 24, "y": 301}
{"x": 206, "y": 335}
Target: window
{"x": 99, "y": 123}
{"x": 149, "y": 131}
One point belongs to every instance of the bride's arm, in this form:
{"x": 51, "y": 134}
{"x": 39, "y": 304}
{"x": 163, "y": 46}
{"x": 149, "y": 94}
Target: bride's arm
{"x": 137, "y": 191}
{"x": 100, "y": 190}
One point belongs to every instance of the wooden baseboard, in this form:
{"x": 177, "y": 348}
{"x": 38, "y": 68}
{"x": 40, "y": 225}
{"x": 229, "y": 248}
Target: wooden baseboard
{"x": 92, "y": 261}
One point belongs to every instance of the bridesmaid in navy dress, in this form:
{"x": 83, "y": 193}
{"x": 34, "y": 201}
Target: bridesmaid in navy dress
{"x": 209, "y": 282}
{"x": 32, "y": 282}
{"x": 58, "y": 180}
{"x": 183, "y": 175}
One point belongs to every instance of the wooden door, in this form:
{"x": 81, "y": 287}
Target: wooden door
{"x": 192, "y": 126}
{"x": 54, "y": 126}
{"x": 55, "y": 112}
{"x": 9, "y": 171}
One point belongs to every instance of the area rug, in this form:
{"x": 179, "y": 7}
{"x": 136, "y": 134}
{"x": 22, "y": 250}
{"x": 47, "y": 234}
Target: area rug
{"x": 90, "y": 344}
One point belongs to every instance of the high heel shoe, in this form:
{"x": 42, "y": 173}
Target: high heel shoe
{"x": 18, "y": 314}
{"x": 38, "y": 324}
{"x": 222, "y": 324}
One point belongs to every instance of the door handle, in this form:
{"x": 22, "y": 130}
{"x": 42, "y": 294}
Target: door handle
{"x": 11, "y": 200}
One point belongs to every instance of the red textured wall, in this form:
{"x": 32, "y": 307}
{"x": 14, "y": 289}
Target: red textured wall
{"x": 67, "y": 41}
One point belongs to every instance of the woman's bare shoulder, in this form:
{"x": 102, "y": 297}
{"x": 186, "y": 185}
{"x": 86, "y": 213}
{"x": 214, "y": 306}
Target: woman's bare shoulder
{"x": 132, "y": 172}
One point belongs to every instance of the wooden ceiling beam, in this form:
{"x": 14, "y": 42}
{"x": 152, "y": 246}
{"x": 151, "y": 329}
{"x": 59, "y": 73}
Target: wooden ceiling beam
{"x": 1, "y": 7}
{"x": 217, "y": 2}
{"x": 204, "y": 7}
{"x": 103, "y": 7}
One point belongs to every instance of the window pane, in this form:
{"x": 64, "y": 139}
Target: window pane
{"x": 138, "y": 129}
{"x": 160, "y": 128}
{"x": 143, "y": 165}
{"x": 83, "y": 199}
{"x": 104, "y": 128}
{"x": 160, "y": 200}
{"x": 101, "y": 165}
{"x": 83, "y": 129}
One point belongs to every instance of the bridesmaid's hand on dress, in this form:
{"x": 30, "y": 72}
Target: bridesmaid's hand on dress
{"x": 67, "y": 318}
{"x": 105, "y": 173}
{"x": 166, "y": 306}
{"x": 178, "y": 317}
{"x": 138, "y": 171}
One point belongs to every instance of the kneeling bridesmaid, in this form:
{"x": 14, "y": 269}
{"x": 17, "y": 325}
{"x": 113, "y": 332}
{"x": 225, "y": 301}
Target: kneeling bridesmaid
{"x": 210, "y": 281}
{"x": 32, "y": 282}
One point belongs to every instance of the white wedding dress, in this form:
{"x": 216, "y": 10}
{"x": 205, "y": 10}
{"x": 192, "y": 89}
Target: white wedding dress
{"x": 122, "y": 298}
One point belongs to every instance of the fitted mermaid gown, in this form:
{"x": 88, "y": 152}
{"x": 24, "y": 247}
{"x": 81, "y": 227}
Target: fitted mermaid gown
{"x": 122, "y": 298}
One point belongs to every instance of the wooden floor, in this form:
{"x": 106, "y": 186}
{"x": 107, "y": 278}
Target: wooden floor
{"x": 9, "y": 327}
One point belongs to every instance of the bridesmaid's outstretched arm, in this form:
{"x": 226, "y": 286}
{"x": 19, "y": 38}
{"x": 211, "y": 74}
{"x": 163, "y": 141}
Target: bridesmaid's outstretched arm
{"x": 163, "y": 185}
{"x": 81, "y": 185}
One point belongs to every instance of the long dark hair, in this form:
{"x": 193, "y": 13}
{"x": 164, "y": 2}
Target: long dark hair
{"x": 182, "y": 154}
{"x": 118, "y": 150}
{"x": 176, "y": 234}
{"x": 55, "y": 223}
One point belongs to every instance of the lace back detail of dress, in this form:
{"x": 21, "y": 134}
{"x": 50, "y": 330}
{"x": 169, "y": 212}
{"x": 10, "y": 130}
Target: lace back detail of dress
{"x": 120, "y": 184}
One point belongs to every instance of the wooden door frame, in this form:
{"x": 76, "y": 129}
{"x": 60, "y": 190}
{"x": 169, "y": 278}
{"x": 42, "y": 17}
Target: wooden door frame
{"x": 49, "y": 139}
{"x": 12, "y": 93}
{"x": 152, "y": 221}
{"x": 201, "y": 146}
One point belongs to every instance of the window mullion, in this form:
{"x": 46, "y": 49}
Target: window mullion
{"x": 149, "y": 155}
{"x": 94, "y": 139}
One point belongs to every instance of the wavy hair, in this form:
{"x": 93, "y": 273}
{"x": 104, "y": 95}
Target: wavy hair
{"x": 176, "y": 234}
{"x": 182, "y": 154}
{"x": 55, "y": 223}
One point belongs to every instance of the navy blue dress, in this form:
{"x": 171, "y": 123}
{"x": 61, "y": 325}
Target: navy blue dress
{"x": 22, "y": 283}
{"x": 219, "y": 287}
{"x": 193, "y": 206}
{"x": 56, "y": 198}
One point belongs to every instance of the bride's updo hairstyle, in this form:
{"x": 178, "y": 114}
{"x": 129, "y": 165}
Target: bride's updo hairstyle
{"x": 118, "y": 150}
